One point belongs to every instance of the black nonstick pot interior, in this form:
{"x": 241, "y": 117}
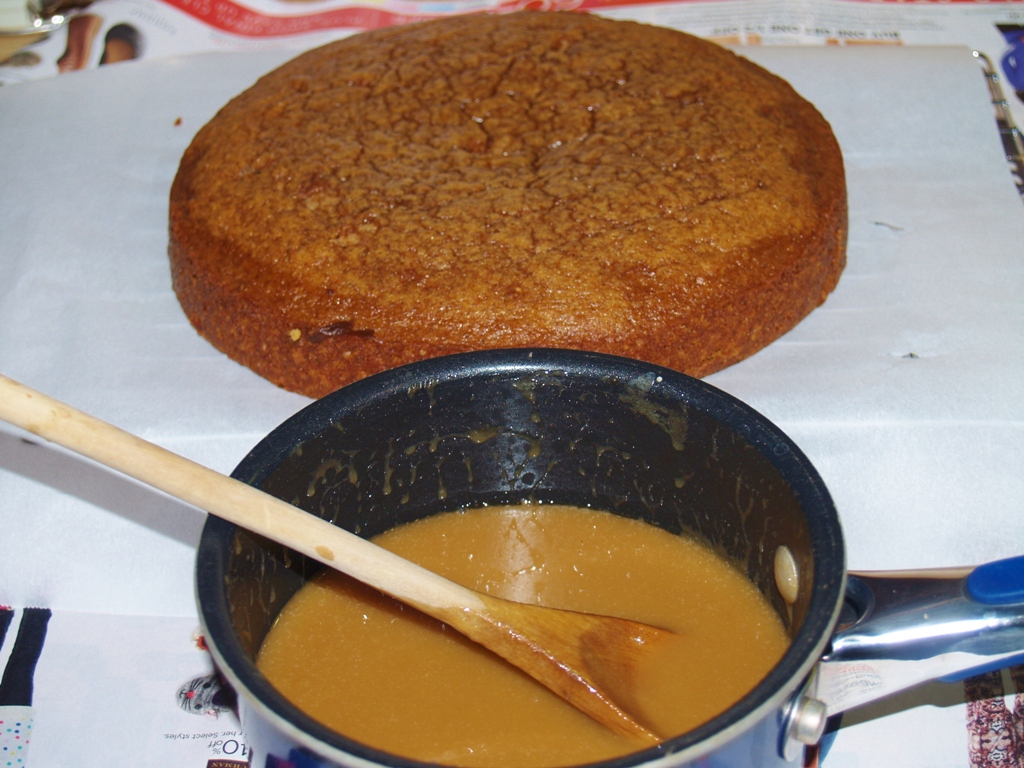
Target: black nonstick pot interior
{"x": 545, "y": 426}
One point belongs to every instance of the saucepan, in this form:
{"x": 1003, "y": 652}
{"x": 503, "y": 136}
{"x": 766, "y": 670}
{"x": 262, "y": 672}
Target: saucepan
{"x": 648, "y": 443}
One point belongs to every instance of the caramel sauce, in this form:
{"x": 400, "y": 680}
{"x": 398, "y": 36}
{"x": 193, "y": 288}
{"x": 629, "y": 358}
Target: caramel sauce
{"x": 387, "y": 676}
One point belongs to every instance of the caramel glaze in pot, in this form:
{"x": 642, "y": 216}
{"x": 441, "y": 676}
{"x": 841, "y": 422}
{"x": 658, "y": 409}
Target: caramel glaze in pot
{"x": 392, "y": 678}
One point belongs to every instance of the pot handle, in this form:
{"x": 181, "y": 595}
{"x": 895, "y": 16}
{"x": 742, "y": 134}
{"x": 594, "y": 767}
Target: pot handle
{"x": 901, "y": 628}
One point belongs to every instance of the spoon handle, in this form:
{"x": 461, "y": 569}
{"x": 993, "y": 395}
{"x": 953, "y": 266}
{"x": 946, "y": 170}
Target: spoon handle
{"x": 493, "y": 623}
{"x": 230, "y": 499}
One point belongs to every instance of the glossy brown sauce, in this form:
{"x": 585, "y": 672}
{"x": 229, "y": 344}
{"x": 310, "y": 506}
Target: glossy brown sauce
{"x": 387, "y": 676}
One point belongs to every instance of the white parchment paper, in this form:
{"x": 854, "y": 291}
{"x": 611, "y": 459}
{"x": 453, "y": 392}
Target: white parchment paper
{"x": 906, "y": 389}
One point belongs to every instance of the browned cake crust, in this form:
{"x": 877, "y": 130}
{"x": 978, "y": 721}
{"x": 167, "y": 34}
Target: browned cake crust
{"x": 533, "y": 179}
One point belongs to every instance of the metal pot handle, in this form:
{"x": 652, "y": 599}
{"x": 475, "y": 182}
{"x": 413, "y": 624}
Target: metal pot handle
{"x": 901, "y": 628}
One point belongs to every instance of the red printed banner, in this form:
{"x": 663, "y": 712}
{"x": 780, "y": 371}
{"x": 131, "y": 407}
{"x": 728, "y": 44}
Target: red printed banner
{"x": 229, "y": 16}
{"x": 236, "y": 19}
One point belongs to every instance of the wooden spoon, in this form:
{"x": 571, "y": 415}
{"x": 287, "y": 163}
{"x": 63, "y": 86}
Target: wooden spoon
{"x": 578, "y": 656}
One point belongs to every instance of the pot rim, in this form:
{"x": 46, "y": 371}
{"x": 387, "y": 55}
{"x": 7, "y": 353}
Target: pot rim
{"x": 770, "y": 695}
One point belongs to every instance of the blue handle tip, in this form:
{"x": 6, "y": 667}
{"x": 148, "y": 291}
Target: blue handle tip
{"x": 998, "y": 583}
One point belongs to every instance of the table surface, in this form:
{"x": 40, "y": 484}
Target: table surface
{"x": 904, "y": 389}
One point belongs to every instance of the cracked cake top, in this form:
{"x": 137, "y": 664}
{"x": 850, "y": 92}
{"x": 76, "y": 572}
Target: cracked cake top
{"x": 531, "y": 179}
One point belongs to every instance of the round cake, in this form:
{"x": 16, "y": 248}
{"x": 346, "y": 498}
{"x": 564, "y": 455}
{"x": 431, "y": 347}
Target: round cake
{"x": 534, "y": 179}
